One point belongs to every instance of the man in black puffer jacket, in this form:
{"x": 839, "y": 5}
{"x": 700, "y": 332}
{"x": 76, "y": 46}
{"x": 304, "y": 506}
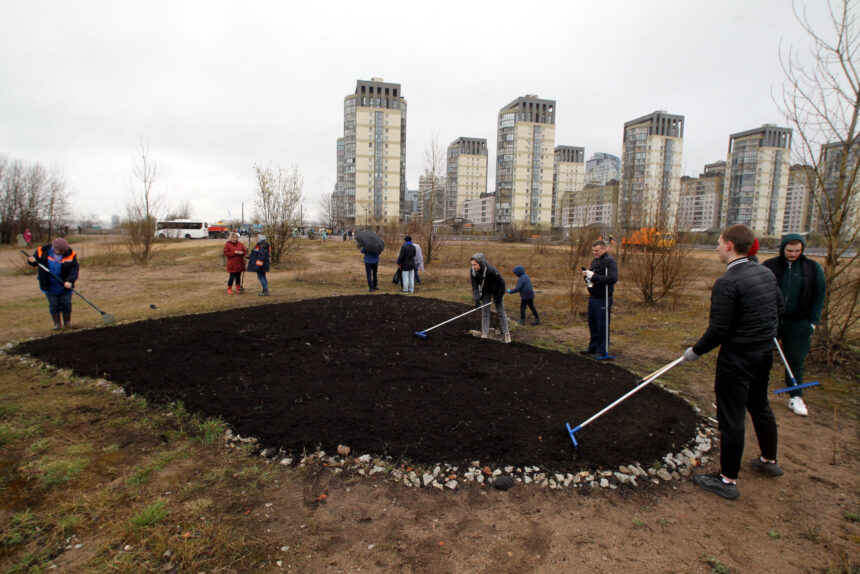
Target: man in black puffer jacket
{"x": 745, "y": 309}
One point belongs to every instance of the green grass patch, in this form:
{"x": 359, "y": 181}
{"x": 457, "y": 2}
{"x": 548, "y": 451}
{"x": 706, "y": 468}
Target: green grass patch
{"x": 717, "y": 567}
{"x": 773, "y": 533}
{"x": 852, "y": 516}
{"x": 60, "y": 471}
{"x": 149, "y": 516}
{"x": 209, "y": 430}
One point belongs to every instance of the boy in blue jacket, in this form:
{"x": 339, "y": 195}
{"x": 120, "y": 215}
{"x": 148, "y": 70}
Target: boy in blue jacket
{"x": 527, "y": 294}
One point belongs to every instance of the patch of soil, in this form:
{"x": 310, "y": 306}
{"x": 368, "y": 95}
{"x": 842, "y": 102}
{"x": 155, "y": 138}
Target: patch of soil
{"x": 349, "y": 370}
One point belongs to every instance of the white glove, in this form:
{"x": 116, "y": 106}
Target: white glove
{"x": 813, "y": 327}
{"x": 589, "y": 273}
{"x": 690, "y": 355}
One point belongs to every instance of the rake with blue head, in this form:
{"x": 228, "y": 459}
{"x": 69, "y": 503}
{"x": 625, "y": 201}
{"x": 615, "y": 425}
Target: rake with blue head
{"x": 423, "y": 334}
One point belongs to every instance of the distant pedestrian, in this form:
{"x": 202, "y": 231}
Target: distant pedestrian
{"x": 527, "y": 294}
{"x": 488, "y": 284}
{"x": 371, "y": 266}
{"x": 406, "y": 264}
{"x": 419, "y": 262}
{"x": 234, "y": 251}
{"x": 28, "y": 237}
{"x": 62, "y": 261}
{"x": 601, "y": 279}
{"x": 803, "y": 286}
{"x": 258, "y": 261}
{"x": 744, "y": 316}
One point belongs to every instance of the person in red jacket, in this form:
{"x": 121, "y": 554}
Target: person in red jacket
{"x": 234, "y": 251}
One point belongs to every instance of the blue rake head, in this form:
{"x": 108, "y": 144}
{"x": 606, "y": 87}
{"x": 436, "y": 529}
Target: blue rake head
{"x": 796, "y": 387}
{"x": 422, "y": 334}
{"x": 605, "y": 357}
{"x": 570, "y": 432}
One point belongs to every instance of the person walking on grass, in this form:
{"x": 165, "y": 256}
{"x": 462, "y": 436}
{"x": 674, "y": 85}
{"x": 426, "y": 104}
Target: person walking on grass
{"x": 527, "y": 294}
{"x": 406, "y": 264}
{"x": 234, "y": 251}
{"x": 601, "y": 279}
{"x": 488, "y": 284}
{"x": 745, "y": 308}
{"x": 419, "y": 262}
{"x": 801, "y": 281}
{"x": 258, "y": 261}
{"x": 62, "y": 261}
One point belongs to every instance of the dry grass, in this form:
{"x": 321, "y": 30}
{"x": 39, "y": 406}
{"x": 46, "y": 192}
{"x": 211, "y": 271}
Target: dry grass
{"x": 145, "y": 486}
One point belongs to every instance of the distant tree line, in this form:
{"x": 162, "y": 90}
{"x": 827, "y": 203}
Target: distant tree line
{"x": 31, "y": 197}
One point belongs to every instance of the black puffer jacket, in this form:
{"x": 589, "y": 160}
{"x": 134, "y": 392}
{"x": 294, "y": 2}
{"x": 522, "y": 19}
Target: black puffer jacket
{"x": 605, "y": 274}
{"x": 745, "y": 309}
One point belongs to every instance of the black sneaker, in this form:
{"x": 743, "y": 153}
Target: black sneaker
{"x": 588, "y": 351}
{"x": 714, "y": 483}
{"x": 771, "y": 469}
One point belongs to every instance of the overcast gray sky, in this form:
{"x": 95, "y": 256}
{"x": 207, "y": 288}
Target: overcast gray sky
{"x": 214, "y": 87}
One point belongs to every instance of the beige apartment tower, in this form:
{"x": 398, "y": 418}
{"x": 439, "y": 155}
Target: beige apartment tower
{"x": 374, "y": 153}
{"x": 524, "y": 163}
{"x": 799, "y": 201}
{"x": 650, "y": 172}
{"x": 466, "y": 174}
{"x": 701, "y": 198}
{"x": 568, "y": 178}
{"x": 757, "y": 169}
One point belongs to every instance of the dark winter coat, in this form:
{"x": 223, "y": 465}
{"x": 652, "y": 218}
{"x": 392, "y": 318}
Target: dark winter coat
{"x": 745, "y": 309}
{"x": 406, "y": 259}
{"x": 258, "y": 259}
{"x": 68, "y": 266}
{"x": 486, "y": 280}
{"x": 802, "y": 283}
{"x": 601, "y": 279}
{"x": 524, "y": 284}
{"x": 235, "y": 254}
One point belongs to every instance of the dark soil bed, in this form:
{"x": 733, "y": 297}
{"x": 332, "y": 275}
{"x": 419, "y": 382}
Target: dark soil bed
{"x": 348, "y": 370}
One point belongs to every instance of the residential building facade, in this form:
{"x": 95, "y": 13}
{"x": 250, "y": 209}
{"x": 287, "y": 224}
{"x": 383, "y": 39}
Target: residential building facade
{"x": 593, "y": 204}
{"x": 466, "y": 173}
{"x": 799, "y": 203}
{"x": 568, "y": 177}
{"x": 374, "y": 134}
{"x": 850, "y": 200}
{"x": 650, "y": 172}
{"x": 757, "y": 169}
{"x": 524, "y": 163}
{"x": 481, "y": 211}
{"x": 431, "y": 197}
{"x": 602, "y": 167}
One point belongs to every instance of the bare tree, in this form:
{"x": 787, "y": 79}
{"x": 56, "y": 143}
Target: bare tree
{"x": 572, "y": 259}
{"x": 31, "y": 197}
{"x": 181, "y": 211}
{"x": 328, "y": 212}
{"x": 278, "y": 200}
{"x": 821, "y": 101}
{"x": 434, "y": 170}
{"x": 142, "y": 208}
{"x": 57, "y": 203}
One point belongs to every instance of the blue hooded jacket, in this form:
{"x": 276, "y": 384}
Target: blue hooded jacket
{"x": 524, "y": 284}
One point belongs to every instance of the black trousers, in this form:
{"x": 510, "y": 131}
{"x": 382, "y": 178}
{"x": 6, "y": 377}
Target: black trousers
{"x": 530, "y": 303}
{"x": 740, "y": 386}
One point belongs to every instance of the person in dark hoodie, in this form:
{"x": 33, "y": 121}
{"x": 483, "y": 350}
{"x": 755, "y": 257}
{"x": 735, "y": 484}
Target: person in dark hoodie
{"x": 406, "y": 264}
{"x": 62, "y": 261}
{"x": 527, "y": 294}
{"x": 487, "y": 283}
{"x": 801, "y": 281}
{"x": 258, "y": 261}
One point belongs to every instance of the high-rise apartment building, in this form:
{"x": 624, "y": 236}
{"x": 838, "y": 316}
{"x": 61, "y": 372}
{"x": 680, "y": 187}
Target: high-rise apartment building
{"x": 338, "y": 197}
{"x": 798, "y": 199}
{"x": 481, "y": 211}
{"x": 757, "y": 168}
{"x": 374, "y": 134}
{"x": 602, "y": 167}
{"x": 650, "y": 171}
{"x": 524, "y": 162}
{"x": 431, "y": 197}
{"x": 850, "y": 198}
{"x": 466, "y": 173}
{"x": 700, "y": 201}
{"x": 568, "y": 177}
{"x": 593, "y": 204}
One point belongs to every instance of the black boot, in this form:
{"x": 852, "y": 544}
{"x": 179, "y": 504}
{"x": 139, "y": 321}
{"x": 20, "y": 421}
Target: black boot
{"x": 537, "y": 320}
{"x": 57, "y": 324}
{"x": 67, "y": 320}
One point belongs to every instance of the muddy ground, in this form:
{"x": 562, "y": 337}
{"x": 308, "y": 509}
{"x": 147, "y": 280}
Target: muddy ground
{"x": 349, "y": 370}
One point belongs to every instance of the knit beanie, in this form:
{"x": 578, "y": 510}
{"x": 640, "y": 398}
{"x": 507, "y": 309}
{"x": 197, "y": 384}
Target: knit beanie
{"x": 60, "y": 245}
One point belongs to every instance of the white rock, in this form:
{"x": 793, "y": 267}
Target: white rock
{"x": 604, "y": 483}
{"x": 365, "y": 458}
{"x": 527, "y": 479}
{"x": 480, "y": 479}
{"x": 377, "y": 469}
{"x": 664, "y": 474}
{"x": 509, "y": 469}
{"x": 451, "y": 484}
{"x": 476, "y": 463}
{"x": 396, "y": 474}
{"x": 558, "y": 477}
{"x": 427, "y": 479}
{"x": 436, "y": 471}
{"x": 497, "y": 472}
{"x": 624, "y": 470}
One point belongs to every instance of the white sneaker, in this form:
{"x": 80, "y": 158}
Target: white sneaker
{"x": 797, "y": 407}
{"x": 507, "y": 337}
